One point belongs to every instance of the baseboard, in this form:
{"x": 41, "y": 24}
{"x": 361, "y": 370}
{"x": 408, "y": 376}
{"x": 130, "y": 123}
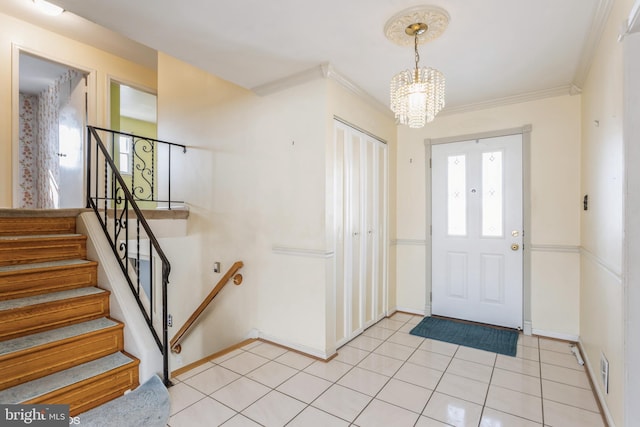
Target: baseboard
{"x": 527, "y": 329}
{"x": 252, "y": 334}
{"x": 594, "y": 385}
{"x": 556, "y": 335}
{"x": 209, "y": 358}
{"x": 307, "y": 351}
{"x": 407, "y": 310}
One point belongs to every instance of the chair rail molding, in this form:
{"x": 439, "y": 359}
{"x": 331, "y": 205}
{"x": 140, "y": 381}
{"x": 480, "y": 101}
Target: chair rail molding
{"x": 409, "y": 242}
{"x": 305, "y": 252}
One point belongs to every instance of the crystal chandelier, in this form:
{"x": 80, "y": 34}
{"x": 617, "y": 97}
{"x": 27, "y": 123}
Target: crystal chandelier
{"x": 417, "y": 95}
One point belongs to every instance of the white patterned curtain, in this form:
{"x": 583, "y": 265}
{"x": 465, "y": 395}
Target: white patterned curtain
{"x": 27, "y": 192}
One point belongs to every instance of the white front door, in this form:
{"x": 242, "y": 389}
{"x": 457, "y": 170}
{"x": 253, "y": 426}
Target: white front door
{"x": 72, "y": 118}
{"x": 477, "y": 230}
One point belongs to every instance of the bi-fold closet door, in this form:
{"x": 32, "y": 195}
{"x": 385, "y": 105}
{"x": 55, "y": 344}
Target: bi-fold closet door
{"x": 361, "y": 230}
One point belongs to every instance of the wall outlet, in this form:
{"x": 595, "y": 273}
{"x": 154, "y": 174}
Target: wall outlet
{"x": 169, "y": 320}
{"x": 604, "y": 372}
{"x": 216, "y": 267}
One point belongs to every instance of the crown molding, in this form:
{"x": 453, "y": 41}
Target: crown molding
{"x": 326, "y": 71}
{"x": 514, "y": 99}
{"x": 600, "y": 17}
{"x": 342, "y": 80}
{"x": 632, "y": 24}
{"x": 304, "y": 76}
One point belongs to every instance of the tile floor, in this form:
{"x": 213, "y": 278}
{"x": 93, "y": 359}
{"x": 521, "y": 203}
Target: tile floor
{"x": 387, "y": 377}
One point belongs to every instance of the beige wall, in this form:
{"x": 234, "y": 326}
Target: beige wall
{"x": 554, "y": 200}
{"x": 255, "y": 179}
{"x": 16, "y": 34}
{"x": 601, "y": 304}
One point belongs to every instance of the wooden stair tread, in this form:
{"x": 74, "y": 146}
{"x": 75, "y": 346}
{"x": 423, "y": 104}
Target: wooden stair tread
{"x": 65, "y": 332}
{"x": 32, "y": 221}
{"x": 40, "y": 236}
{"x": 30, "y": 279}
{"x": 42, "y": 386}
{"x": 27, "y": 249}
{"x": 49, "y": 265}
{"x": 50, "y": 297}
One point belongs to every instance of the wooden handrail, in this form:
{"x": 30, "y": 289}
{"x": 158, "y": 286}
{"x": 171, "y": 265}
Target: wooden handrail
{"x": 237, "y": 279}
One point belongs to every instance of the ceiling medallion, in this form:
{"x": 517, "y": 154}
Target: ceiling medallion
{"x": 435, "y": 18}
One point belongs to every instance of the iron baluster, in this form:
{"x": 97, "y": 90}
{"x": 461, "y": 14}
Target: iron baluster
{"x": 153, "y": 172}
{"x": 118, "y": 199}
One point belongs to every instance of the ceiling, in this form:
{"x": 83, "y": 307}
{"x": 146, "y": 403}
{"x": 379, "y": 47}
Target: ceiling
{"x": 493, "y": 51}
{"x": 37, "y": 74}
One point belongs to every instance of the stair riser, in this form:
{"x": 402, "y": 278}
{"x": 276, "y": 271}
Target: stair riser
{"x": 35, "y": 363}
{"x": 93, "y": 392}
{"x": 10, "y": 226}
{"x": 29, "y": 283}
{"x": 43, "y": 317}
{"x": 27, "y": 251}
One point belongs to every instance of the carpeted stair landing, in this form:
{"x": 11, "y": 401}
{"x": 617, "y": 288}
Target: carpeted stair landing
{"x": 147, "y": 406}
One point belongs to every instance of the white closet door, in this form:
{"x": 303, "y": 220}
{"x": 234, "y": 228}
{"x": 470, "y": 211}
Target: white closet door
{"x": 354, "y": 260}
{"x": 368, "y": 237}
{"x": 360, "y": 200}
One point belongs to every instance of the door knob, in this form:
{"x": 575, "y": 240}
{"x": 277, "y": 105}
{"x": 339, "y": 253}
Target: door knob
{"x": 515, "y": 247}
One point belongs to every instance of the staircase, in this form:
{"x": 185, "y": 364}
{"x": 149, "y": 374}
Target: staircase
{"x": 57, "y": 342}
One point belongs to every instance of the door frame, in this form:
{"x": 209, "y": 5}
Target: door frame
{"x": 15, "y": 109}
{"x": 631, "y": 200}
{"x": 525, "y": 131}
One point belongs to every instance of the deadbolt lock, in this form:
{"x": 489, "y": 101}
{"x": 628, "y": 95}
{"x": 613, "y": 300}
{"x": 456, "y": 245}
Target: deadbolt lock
{"x": 515, "y": 247}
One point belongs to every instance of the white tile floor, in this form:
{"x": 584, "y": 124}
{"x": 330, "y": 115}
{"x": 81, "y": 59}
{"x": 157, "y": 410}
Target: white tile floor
{"x": 386, "y": 377}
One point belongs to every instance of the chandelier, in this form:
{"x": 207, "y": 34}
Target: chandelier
{"x": 417, "y": 95}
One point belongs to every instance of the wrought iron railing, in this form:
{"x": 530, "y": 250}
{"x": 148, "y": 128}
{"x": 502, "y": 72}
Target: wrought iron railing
{"x": 145, "y": 164}
{"x": 131, "y": 238}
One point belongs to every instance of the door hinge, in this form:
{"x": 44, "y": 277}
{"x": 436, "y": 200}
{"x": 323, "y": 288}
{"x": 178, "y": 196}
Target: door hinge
{"x": 430, "y": 296}
{"x": 429, "y": 163}
{"x": 431, "y": 230}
